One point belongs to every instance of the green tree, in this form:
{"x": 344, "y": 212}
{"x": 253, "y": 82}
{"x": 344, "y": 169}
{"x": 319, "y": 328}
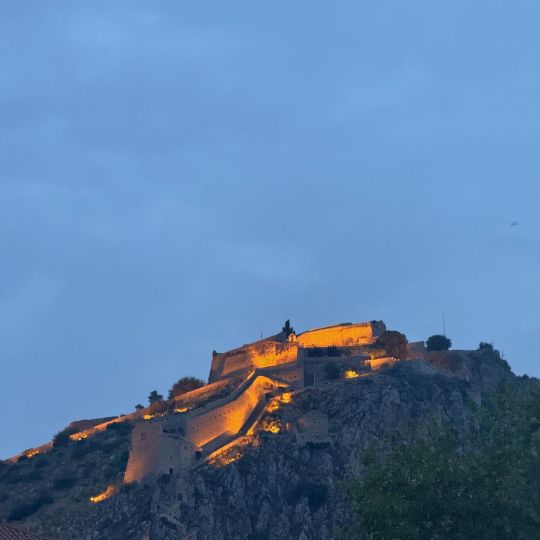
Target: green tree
{"x": 438, "y": 342}
{"x": 185, "y": 384}
{"x": 434, "y": 489}
{"x": 154, "y": 397}
{"x": 139, "y": 407}
{"x": 394, "y": 343}
{"x": 287, "y": 328}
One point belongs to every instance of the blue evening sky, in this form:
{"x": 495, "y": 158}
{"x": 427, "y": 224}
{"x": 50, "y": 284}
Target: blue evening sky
{"x": 177, "y": 177}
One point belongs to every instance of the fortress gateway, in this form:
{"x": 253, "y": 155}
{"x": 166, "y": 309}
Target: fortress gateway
{"x": 242, "y": 382}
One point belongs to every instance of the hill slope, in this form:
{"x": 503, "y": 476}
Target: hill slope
{"x": 267, "y": 485}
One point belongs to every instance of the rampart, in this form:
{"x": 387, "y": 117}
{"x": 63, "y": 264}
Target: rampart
{"x": 277, "y": 350}
{"x": 342, "y": 335}
{"x": 227, "y": 416}
{"x": 168, "y": 444}
{"x": 204, "y": 392}
{"x": 260, "y": 354}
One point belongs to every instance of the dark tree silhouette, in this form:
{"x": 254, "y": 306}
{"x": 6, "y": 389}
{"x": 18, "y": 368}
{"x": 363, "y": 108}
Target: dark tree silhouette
{"x": 183, "y": 385}
{"x": 138, "y": 407}
{"x": 394, "y": 343}
{"x": 154, "y": 396}
{"x": 158, "y": 407}
{"x": 438, "y": 342}
{"x": 62, "y": 438}
{"x": 287, "y": 328}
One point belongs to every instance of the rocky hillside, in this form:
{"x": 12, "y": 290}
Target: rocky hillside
{"x": 267, "y": 486}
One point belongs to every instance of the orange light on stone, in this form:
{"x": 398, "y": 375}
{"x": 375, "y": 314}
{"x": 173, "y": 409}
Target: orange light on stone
{"x": 273, "y": 406}
{"x": 148, "y": 416}
{"x": 32, "y": 453}
{"x": 109, "y": 492}
{"x": 79, "y": 436}
{"x": 351, "y": 374}
{"x": 286, "y": 397}
{"x": 272, "y": 427}
{"x": 181, "y": 410}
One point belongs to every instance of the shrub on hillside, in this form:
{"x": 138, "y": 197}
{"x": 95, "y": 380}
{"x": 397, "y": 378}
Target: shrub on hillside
{"x": 120, "y": 461}
{"x": 85, "y": 447}
{"x": 158, "y": 407}
{"x": 64, "y": 481}
{"x": 183, "y": 385}
{"x": 40, "y": 461}
{"x": 438, "y": 342}
{"x": 120, "y": 427}
{"x": 485, "y": 347}
{"x": 393, "y": 343}
{"x": 27, "y": 508}
{"x": 154, "y": 397}
{"x": 62, "y": 438}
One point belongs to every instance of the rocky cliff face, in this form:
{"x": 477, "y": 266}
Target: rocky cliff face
{"x": 269, "y": 487}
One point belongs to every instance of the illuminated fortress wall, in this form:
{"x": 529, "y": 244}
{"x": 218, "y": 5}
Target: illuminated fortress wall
{"x": 228, "y": 416}
{"x": 155, "y": 451}
{"x": 202, "y": 393}
{"x": 342, "y": 335}
{"x": 261, "y": 354}
{"x": 165, "y": 445}
{"x": 277, "y": 351}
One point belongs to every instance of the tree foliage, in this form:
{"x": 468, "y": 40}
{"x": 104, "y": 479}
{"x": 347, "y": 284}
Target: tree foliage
{"x": 183, "y": 385}
{"x": 62, "y": 438}
{"x": 154, "y": 397}
{"x": 394, "y": 343}
{"x": 158, "y": 407}
{"x": 287, "y": 328}
{"x": 438, "y": 342}
{"x": 435, "y": 490}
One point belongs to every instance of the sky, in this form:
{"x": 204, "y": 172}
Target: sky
{"x": 179, "y": 177}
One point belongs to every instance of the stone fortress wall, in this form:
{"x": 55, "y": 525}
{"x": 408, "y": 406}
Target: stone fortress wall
{"x": 342, "y": 335}
{"x": 254, "y": 355}
{"x": 265, "y": 367}
{"x": 156, "y": 449}
{"x": 227, "y": 416}
{"x": 277, "y": 350}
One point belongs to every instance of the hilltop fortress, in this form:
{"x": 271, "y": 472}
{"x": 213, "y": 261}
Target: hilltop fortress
{"x": 242, "y": 383}
{"x": 259, "y": 450}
